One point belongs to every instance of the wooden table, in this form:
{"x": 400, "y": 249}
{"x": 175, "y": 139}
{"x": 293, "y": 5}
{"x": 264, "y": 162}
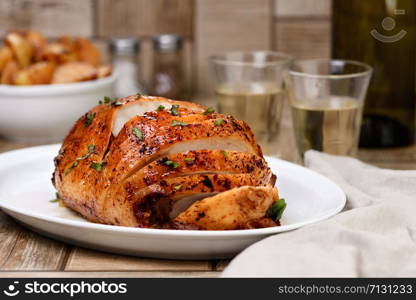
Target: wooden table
{"x": 27, "y": 254}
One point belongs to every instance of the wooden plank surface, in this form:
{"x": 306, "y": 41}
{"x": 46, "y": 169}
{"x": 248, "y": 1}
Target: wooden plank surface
{"x": 232, "y": 25}
{"x": 22, "y": 249}
{"x": 8, "y": 236}
{"x": 52, "y": 18}
{"x": 220, "y": 265}
{"x": 83, "y": 259}
{"x": 144, "y": 18}
{"x": 302, "y": 8}
{"x": 177, "y": 274}
{"x": 303, "y": 38}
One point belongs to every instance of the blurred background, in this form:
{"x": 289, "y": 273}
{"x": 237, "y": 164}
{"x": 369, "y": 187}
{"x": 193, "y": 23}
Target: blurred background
{"x": 298, "y": 27}
{"x": 177, "y": 66}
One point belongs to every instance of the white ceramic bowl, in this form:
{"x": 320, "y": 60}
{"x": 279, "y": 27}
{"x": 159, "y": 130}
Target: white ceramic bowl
{"x": 45, "y": 113}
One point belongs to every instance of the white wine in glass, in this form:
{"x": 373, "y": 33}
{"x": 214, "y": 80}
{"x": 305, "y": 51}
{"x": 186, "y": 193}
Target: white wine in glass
{"x": 327, "y": 99}
{"x": 333, "y": 127}
{"x": 249, "y": 86}
{"x": 260, "y": 105}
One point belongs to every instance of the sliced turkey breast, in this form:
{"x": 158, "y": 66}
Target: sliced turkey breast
{"x": 147, "y": 161}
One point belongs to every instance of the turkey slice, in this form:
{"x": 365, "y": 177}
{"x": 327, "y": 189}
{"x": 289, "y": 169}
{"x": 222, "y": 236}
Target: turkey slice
{"x": 238, "y": 208}
{"x": 201, "y": 162}
{"x": 133, "y": 108}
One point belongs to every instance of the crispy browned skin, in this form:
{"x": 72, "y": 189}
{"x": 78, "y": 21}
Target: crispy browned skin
{"x": 81, "y": 186}
{"x": 150, "y": 168}
{"x": 202, "y": 162}
{"x": 129, "y": 154}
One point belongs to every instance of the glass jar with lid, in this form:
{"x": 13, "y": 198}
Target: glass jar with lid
{"x": 126, "y": 63}
{"x": 168, "y": 76}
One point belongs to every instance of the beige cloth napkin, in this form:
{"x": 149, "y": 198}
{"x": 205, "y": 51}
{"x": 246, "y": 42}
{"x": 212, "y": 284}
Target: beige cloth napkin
{"x": 374, "y": 236}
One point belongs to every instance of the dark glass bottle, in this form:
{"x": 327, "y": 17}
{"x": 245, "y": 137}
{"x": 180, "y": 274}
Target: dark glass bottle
{"x": 381, "y": 33}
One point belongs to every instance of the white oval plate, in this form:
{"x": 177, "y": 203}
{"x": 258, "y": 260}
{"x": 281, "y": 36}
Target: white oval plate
{"x": 26, "y": 191}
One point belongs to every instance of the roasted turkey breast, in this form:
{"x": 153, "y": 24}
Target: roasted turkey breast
{"x": 157, "y": 163}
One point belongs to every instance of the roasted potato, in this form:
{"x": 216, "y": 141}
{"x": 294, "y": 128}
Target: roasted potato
{"x": 38, "y": 42}
{"x": 21, "y": 47}
{"x": 104, "y": 71}
{"x": 6, "y": 55}
{"x": 38, "y": 73}
{"x": 74, "y": 72}
{"x": 9, "y": 72}
{"x": 58, "y": 53}
{"x": 28, "y": 58}
{"x": 87, "y": 52}
{"x": 67, "y": 41}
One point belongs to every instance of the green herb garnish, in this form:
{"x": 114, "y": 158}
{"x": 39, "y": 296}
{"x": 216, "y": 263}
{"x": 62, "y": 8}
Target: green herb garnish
{"x": 276, "y": 211}
{"x": 91, "y": 149}
{"x": 174, "y": 110}
{"x": 88, "y": 119}
{"x": 98, "y": 166}
{"x": 106, "y": 100}
{"x": 160, "y": 108}
{"x": 189, "y": 160}
{"x": 172, "y": 164}
{"x": 208, "y": 111}
{"x": 177, "y": 187}
{"x": 137, "y": 133}
{"x": 74, "y": 164}
{"x": 58, "y": 197}
{"x": 224, "y": 153}
{"x": 178, "y": 123}
{"x": 218, "y": 122}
